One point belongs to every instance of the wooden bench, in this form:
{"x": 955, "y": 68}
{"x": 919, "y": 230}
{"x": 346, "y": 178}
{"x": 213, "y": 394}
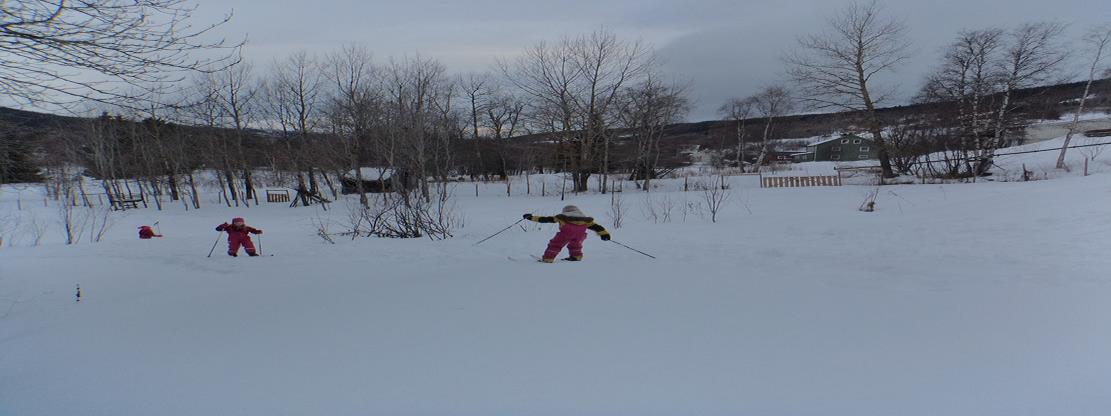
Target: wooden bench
{"x": 121, "y": 203}
{"x": 277, "y": 195}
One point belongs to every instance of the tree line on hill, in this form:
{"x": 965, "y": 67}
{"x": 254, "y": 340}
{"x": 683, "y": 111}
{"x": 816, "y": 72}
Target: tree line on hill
{"x": 589, "y": 105}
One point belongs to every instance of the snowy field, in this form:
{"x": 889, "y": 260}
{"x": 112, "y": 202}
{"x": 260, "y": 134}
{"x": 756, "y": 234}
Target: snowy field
{"x": 991, "y": 298}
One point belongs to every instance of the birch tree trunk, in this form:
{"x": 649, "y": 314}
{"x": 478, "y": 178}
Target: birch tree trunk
{"x": 1099, "y": 39}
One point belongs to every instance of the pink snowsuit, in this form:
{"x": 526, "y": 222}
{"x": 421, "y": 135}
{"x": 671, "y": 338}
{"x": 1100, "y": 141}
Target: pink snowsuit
{"x": 569, "y": 235}
{"x": 572, "y": 233}
{"x": 239, "y": 234}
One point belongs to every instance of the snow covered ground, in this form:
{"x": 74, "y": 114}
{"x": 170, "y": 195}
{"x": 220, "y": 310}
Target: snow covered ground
{"x": 960, "y": 299}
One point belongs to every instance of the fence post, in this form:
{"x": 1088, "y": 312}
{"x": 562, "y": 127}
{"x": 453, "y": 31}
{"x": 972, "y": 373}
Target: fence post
{"x": 563, "y": 188}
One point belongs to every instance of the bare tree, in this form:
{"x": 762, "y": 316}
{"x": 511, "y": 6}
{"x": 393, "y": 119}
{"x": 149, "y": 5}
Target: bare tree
{"x": 477, "y": 89}
{"x": 547, "y": 76}
{"x": 574, "y": 85}
{"x": 714, "y": 197}
{"x": 205, "y": 110}
{"x": 503, "y": 114}
{"x": 355, "y": 107}
{"x": 293, "y": 96}
{"x": 418, "y": 124}
{"x": 1032, "y": 56}
{"x": 1097, "y": 39}
{"x": 913, "y": 138}
{"x": 418, "y": 136}
{"x": 608, "y": 64}
{"x": 644, "y": 111}
{"x": 617, "y": 210}
{"x": 967, "y": 79}
{"x": 179, "y": 159}
{"x": 739, "y": 110}
{"x": 235, "y": 91}
{"x": 771, "y": 102}
{"x": 837, "y": 69}
{"x": 113, "y": 51}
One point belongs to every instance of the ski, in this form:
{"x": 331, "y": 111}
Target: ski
{"x": 532, "y": 257}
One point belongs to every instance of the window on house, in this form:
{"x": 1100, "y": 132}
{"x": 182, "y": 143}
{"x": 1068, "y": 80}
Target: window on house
{"x": 835, "y": 157}
{"x": 844, "y": 141}
{"x": 864, "y": 148}
{"x": 856, "y": 141}
{"x": 863, "y": 155}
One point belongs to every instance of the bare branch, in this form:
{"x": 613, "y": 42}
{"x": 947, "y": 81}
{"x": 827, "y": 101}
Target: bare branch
{"x": 116, "y": 51}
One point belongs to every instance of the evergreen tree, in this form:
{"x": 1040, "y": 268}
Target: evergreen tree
{"x": 17, "y": 161}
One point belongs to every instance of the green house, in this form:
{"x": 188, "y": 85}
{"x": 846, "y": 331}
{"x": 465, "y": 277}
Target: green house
{"x": 842, "y": 148}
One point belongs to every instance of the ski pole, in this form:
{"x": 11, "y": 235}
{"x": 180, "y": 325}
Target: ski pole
{"x": 215, "y": 243}
{"x": 157, "y": 229}
{"x": 633, "y": 249}
{"x": 259, "y": 244}
{"x": 499, "y": 232}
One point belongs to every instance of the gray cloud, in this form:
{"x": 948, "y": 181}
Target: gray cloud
{"x": 737, "y": 59}
{"x": 726, "y": 48}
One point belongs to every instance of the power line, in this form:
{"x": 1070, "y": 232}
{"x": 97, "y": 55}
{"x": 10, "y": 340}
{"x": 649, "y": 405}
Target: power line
{"x": 1052, "y": 150}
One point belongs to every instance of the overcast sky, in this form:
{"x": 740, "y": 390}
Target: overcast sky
{"x": 725, "y": 48}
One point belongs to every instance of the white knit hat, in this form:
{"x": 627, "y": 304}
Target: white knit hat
{"x": 573, "y": 211}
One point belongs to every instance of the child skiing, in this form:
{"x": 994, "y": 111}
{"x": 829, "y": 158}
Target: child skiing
{"x": 239, "y": 233}
{"x": 145, "y": 233}
{"x": 572, "y": 231}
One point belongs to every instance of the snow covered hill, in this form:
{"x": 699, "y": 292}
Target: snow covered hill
{"x": 960, "y": 299}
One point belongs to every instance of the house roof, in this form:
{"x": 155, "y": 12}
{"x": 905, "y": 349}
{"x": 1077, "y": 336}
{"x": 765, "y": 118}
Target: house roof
{"x": 844, "y": 136}
{"x": 370, "y": 173}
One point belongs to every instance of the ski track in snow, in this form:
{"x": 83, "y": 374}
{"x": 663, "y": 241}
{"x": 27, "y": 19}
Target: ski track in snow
{"x": 960, "y": 299}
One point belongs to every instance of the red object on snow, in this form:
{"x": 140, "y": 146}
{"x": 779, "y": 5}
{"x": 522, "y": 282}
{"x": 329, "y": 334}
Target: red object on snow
{"x": 145, "y": 233}
{"x": 239, "y": 234}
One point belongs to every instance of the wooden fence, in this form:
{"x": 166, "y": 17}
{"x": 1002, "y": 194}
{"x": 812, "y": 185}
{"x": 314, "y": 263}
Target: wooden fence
{"x": 798, "y": 181}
